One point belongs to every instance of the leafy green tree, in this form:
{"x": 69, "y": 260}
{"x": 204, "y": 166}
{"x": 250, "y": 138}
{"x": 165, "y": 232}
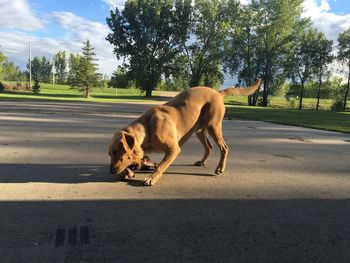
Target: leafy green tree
{"x": 119, "y": 79}
{"x": 74, "y": 62}
{"x": 322, "y": 59}
{"x": 83, "y": 70}
{"x": 242, "y": 57}
{"x": 344, "y": 57}
{"x": 146, "y": 34}
{"x": 3, "y": 59}
{"x": 36, "y": 69}
{"x": 302, "y": 61}
{"x": 61, "y": 67}
{"x": 202, "y": 52}
{"x": 41, "y": 69}
{"x": 45, "y": 70}
{"x": 11, "y": 72}
{"x": 277, "y": 23}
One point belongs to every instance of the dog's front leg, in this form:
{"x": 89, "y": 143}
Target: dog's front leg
{"x": 169, "y": 157}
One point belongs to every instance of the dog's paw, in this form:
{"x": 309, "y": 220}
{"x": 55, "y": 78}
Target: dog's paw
{"x": 219, "y": 170}
{"x": 199, "y": 163}
{"x": 149, "y": 181}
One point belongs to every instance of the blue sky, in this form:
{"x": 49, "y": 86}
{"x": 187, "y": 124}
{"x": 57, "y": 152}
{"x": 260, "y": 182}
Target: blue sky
{"x": 339, "y": 7}
{"x": 95, "y": 10}
{"x": 54, "y": 25}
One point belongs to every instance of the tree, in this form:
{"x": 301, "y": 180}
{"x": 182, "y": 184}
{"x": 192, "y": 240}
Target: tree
{"x": 74, "y": 69}
{"x": 3, "y": 60}
{"x": 202, "y": 50}
{"x": 83, "y": 69}
{"x": 11, "y": 72}
{"x": 45, "y": 70}
{"x": 8, "y": 70}
{"x": 302, "y": 61}
{"x": 41, "y": 69}
{"x": 322, "y": 59}
{"x": 242, "y": 57}
{"x": 36, "y": 69}
{"x": 344, "y": 57}
{"x": 277, "y": 22}
{"x": 119, "y": 79}
{"x": 146, "y": 34}
{"x": 60, "y": 62}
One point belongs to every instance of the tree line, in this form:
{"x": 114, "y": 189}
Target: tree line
{"x": 186, "y": 43}
{"x": 9, "y": 71}
{"x": 77, "y": 70}
{"x": 189, "y": 43}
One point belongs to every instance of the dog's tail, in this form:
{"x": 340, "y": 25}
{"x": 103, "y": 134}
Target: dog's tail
{"x": 241, "y": 91}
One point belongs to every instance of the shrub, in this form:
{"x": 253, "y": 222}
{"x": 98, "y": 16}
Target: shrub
{"x": 291, "y": 100}
{"x": 36, "y": 87}
{"x": 337, "y": 105}
{"x": 2, "y": 87}
{"x": 260, "y": 101}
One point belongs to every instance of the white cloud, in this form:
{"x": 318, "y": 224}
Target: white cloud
{"x": 74, "y": 30}
{"x": 244, "y": 2}
{"x": 324, "y": 20}
{"x": 17, "y": 14}
{"x": 312, "y": 9}
{"x": 78, "y": 29}
{"x": 112, "y": 4}
{"x": 330, "y": 24}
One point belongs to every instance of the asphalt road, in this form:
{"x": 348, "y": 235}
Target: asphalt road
{"x": 285, "y": 196}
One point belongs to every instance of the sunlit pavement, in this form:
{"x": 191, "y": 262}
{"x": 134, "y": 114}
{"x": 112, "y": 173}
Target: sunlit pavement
{"x": 285, "y": 194}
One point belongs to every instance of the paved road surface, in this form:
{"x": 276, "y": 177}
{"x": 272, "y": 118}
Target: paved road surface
{"x": 284, "y": 197}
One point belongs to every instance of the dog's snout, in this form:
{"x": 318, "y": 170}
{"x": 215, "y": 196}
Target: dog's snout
{"x": 112, "y": 170}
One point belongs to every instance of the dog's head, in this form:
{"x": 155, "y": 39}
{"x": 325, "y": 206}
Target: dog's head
{"x": 121, "y": 151}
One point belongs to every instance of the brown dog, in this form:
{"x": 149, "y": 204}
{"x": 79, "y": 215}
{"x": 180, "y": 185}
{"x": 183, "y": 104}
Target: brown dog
{"x": 166, "y": 128}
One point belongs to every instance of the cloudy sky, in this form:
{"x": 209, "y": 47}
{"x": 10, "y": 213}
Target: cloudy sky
{"x": 53, "y": 25}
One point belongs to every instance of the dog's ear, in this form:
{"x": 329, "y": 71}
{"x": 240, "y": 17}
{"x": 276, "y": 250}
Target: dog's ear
{"x": 113, "y": 146}
{"x": 129, "y": 139}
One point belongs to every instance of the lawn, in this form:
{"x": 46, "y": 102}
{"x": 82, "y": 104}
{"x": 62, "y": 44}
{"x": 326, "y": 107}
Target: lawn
{"x": 281, "y": 102}
{"x": 324, "y": 120}
{"x": 64, "y": 92}
{"x": 279, "y": 112}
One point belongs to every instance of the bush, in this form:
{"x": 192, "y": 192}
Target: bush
{"x": 260, "y": 101}
{"x": 337, "y": 105}
{"x": 291, "y": 100}
{"x": 2, "y": 87}
{"x": 36, "y": 87}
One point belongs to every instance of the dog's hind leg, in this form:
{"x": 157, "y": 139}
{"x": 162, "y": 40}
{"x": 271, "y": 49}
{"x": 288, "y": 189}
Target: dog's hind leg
{"x": 203, "y": 138}
{"x": 216, "y": 134}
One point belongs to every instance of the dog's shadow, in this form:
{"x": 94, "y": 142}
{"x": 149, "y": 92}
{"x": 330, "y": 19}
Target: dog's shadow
{"x": 72, "y": 173}
{"x": 140, "y": 183}
{"x": 55, "y": 173}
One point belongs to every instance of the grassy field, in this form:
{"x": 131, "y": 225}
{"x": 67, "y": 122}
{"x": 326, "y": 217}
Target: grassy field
{"x": 324, "y": 120}
{"x": 279, "y": 112}
{"x": 64, "y": 92}
{"x": 281, "y": 102}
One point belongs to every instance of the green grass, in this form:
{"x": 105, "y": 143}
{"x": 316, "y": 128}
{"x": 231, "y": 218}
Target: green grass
{"x": 281, "y": 102}
{"x": 324, "y": 120}
{"x": 278, "y": 113}
{"x": 64, "y": 92}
